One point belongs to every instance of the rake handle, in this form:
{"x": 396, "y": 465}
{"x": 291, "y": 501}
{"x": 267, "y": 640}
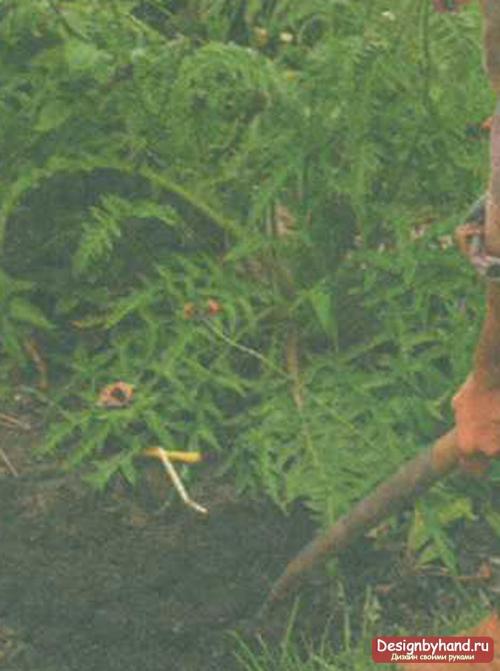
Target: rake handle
{"x": 412, "y": 478}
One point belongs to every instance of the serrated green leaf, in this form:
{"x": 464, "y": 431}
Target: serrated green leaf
{"x": 52, "y": 115}
{"x": 321, "y": 301}
{"x": 129, "y": 471}
{"x": 82, "y": 56}
{"x": 21, "y": 310}
{"x": 493, "y": 519}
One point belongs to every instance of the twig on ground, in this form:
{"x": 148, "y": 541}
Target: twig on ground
{"x": 10, "y": 466}
{"x": 12, "y": 422}
{"x": 162, "y": 455}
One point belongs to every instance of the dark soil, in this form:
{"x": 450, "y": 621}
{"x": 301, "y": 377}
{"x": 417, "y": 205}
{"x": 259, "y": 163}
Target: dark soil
{"x": 92, "y": 581}
{"x": 107, "y": 581}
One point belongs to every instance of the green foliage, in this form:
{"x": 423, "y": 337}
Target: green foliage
{"x": 299, "y": 163}
{"x": 295, "y": 652}
{"x": 292, "y": 656}
{"x": 427, "y": 538}
{"x": 18, "y": 317}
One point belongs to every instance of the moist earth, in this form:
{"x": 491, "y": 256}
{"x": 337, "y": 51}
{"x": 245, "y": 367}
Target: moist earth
{"x": 119, "y": 581}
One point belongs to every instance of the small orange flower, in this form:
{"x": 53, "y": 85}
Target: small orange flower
{"x": 116, "y": 395}
{"x": 487, "y": 124}
{"x": 213, "y": 307}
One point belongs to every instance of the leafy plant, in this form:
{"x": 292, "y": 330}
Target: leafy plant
{"x": 427, "y": 538}
{"x": 299, "y": 165}
{"x": 292, "y": 654}
{"x": 19, "y": 318}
